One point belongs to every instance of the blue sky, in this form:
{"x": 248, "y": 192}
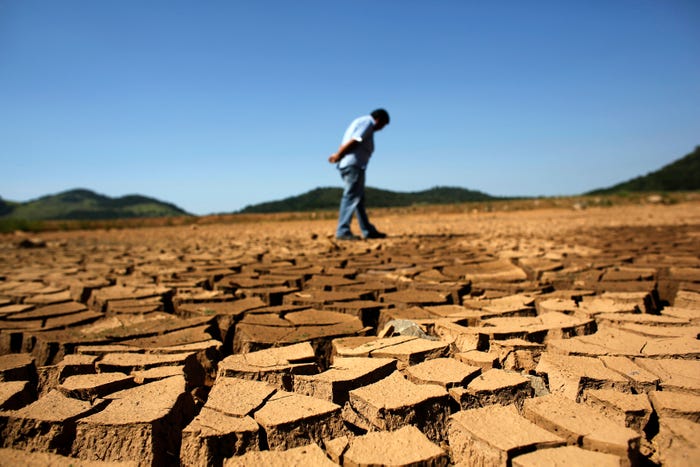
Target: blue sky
{"x": 214, "y": 105}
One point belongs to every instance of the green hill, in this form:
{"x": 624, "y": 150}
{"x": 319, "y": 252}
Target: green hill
{"x": 329, "y": 198}
{"x": 681, "y": 175}
{"x": 83, "y": 204}
{"x": 6, "y": 207}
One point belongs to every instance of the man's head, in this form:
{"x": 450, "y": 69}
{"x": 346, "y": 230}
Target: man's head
{"x": 381, "y": 118}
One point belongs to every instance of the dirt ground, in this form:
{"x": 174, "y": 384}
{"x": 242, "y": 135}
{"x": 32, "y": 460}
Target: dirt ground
{"x": 526, "y": 337}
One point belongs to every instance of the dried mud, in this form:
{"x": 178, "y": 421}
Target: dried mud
{"x": 476, "y": 338}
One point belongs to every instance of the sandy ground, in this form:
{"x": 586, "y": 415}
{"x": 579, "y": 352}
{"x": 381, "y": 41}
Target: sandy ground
{"x": 272, "y": 338}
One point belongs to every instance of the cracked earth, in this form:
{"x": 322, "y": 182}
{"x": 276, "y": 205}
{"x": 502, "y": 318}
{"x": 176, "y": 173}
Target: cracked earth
{"x": 517, "y": 338}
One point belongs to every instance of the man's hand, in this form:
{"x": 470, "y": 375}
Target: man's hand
{"x": 343, "y": 150}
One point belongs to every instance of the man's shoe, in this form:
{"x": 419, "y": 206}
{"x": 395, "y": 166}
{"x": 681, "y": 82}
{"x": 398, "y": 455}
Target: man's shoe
{"x": 376, "y": 234}
{"x": 347, "y": 236}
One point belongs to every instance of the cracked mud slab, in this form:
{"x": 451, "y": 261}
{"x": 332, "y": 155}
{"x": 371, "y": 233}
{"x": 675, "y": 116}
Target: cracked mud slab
{"x": 238, "y": 341}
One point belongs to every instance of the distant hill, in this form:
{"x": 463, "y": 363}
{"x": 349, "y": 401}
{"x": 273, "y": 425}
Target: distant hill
{"x": 329, "y": 198}
{"x": 83, "y": 204}
{"x": 6, "y": 207}
{"x": 681, "y": 175}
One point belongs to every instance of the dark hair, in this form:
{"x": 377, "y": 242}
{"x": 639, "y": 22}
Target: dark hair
{"x": 381, "y": 115}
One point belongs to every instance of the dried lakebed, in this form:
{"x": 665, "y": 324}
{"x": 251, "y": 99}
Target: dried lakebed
{"x": 513, "y": 338}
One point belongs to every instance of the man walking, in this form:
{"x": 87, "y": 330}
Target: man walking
{"x": 352, "y": 158}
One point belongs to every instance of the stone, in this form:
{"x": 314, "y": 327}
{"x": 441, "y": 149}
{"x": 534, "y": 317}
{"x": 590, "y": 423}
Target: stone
{"x": 292, "y": 420}
{"x": 419, "y": 316}
{"x": 494, "y": 435}
{"x": 582, "y": 425}
{"x": 344, "y": 375}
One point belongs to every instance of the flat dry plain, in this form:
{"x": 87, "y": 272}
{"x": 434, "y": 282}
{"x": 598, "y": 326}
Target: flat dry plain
{"x": 533, "y": 337}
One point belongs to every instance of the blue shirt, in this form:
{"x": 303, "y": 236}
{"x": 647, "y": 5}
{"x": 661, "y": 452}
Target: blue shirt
{"x": 361, "y": 130}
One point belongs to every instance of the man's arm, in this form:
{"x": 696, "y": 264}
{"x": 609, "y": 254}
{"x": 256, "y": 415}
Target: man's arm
{"x": 343, "y": 150}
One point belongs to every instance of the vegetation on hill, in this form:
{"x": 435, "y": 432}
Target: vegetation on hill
{"x": 83, "y": 204}
{"x": 84, "y": 209}
{"x": 6, "y": 207}
{"x": 321, "y": 199}
{"x": 681, "y": 175}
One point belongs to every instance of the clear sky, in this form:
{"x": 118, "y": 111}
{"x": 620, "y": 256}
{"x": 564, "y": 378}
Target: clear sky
{"x": 214, "y": 105}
